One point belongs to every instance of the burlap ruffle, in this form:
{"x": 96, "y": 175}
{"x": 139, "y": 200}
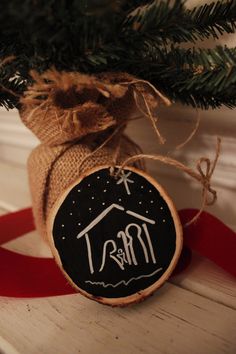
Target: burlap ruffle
{"x": 63, "y": 107}
{"x": 72, "y": 114}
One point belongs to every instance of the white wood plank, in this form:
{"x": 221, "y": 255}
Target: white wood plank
{"x": 7, "y": 206}
{"x": 30, "y": 244}
{"x": 6, "y": 347}
{"x": 14, "y": 189}
{"x": 172, "y": 321}
{"x": 207, "y": 279}
{"x": 2, "y": 211}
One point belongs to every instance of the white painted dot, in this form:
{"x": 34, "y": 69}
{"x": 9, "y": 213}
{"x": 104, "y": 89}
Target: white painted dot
{"x": 71, "y": 214}
{"x": 92, "y": 198}
{"x": 147, "y": 211}
{"x": 90, "y": 209}
{"x": 73, "y": 202}
{"x": 89, "y": 185}
{"x": 104, "y": 190}
{"x": 142, "y": 187}
{"x": 161, "y": 208}
{"x": 62, "y": 225}
{"x": 103, "y": 203}
{"x": 108, "y": 182}
{"x": 98, "y": 177}
{"x": 79, "y": 223}
{"x": 163, "y": 220}
{"x": 151, "y": 202}
{"x": 140, "y": 203}
{"x": 63, "y": 238}
{"x": 79, "y": 190}
{"x": 150, "y": 191}
{"x": 120, "y": 199}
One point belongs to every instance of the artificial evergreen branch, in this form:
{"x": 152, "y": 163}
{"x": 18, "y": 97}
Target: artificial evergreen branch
{"x": 138, "y": 37}
{"x": 162, "y": 21}
{"x": 203, "y": 78}
{"x": 214, "y": 19}
{"x": 12, "y": 85}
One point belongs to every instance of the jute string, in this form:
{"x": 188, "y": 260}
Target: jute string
{"x": 150, "y": 105}
{"x": 204, "y": 177}
{"x": 201, "y": 176}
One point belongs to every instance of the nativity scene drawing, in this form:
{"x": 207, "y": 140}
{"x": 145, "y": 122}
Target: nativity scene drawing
{"x": 121, "y": 248}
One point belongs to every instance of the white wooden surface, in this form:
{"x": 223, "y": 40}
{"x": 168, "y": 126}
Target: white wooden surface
{"x": 195, "y": 312}
{"x": 173, "y": 321}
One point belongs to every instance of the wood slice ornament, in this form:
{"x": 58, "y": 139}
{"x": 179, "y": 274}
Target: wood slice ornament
{"x": 117, "y": 239}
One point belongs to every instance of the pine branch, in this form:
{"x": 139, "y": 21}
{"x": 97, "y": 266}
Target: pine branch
{"x": 203, "y": 77}
{"x": 12, "y": 82}
{"x": 94, "y": 39}
{"x": 10, "y": 92}
{"x": 214, "y": 19}
{"x": 199, "y": 77}
{"x": 163, "y": 22}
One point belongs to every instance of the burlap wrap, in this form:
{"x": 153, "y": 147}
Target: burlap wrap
{"x": 80, "y": 120}
{"x": 72, "y": 115}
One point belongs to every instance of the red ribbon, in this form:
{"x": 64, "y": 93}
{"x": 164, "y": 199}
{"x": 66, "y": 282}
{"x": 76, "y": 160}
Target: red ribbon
{"x": 25, "y": 276}
{"x": 210, "y": 238}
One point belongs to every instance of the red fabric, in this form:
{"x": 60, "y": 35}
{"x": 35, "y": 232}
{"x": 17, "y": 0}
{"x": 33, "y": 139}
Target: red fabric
{"x": 16, "y": 224}
{"x": 24, "y": 276}
{"x": 210, "y": 238}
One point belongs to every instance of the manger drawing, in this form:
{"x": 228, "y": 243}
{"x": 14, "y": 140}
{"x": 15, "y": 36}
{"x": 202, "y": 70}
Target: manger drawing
{"x": 122, "y": 256}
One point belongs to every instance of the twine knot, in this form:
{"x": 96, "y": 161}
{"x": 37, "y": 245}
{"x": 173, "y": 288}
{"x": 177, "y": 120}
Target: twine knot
{"x": 202, "y": 175}
{"x": 206, "y": 169}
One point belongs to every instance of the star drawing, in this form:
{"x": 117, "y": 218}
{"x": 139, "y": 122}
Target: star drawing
{"x": 124, "y": 179}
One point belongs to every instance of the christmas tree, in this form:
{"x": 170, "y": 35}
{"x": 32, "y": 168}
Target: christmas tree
{"x": 140, "y": 37}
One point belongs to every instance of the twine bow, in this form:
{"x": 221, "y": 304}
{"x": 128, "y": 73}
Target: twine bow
{"x": 150, "y": 98}
{"x": 204, "y": 177}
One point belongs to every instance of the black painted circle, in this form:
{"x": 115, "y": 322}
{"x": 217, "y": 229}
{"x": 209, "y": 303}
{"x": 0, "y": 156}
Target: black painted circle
{"x": 114, "y": 238}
